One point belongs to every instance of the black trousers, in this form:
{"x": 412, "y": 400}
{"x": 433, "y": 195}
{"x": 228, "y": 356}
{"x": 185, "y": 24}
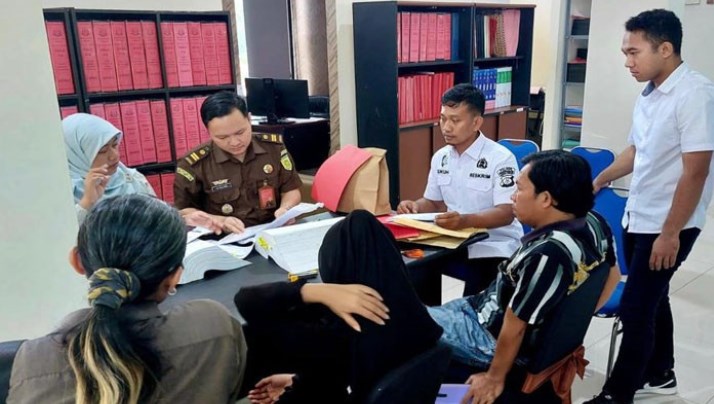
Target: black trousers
{"x": 647, "y": 347}
{"x": 480, "y": 273}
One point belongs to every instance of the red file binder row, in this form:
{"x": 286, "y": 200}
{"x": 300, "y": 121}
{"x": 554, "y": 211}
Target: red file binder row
{"x": 145, "y": 128}
{"x": 423, "y": 37}
{"x": 196, "y": 53}
{"x": 67, "y": 111}
{"x": 189, "y": 131}
{"x": 59, "y": 56}
{"x": 163, "y": 185}
{"x": 419, "y": 96}
{"x": 119, "y": 55}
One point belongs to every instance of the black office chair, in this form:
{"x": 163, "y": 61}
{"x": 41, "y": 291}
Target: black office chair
{"x": 415, "y": 382}
{"x": 7, "y": 357}
{"x": 319, "y": 106}
{"x": 560, "y": 336}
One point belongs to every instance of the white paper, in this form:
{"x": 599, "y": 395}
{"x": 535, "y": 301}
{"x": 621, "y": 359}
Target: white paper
{"x": 250, "y": 232}
{"x": 197, "y": 232}
{"x": 422, "y": 217}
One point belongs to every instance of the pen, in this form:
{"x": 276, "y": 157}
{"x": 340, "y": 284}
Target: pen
{"x": 302, "y": 275}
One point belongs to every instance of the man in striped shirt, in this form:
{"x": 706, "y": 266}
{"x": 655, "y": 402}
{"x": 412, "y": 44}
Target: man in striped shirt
{"x": 554, "y": 195}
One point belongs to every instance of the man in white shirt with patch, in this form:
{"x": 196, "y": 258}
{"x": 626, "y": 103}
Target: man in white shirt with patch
{"x": 670, "y": 153}
{"x": 471, "y": 180}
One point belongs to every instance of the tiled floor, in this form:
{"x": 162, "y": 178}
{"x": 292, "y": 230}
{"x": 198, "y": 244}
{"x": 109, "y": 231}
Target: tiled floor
{"x": 692, "y": 298}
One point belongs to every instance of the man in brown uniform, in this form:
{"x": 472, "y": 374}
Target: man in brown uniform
{"x": 237, "y": 179}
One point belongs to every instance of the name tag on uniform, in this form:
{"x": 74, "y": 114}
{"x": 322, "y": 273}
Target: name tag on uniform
{"x": 221, "y": 185}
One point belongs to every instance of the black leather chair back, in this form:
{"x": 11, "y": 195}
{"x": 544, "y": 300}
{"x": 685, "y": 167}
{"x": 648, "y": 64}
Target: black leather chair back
{"x": 565, "y": 330}
{"x": 416, "y": 381}
{"x": 7, "y": 357}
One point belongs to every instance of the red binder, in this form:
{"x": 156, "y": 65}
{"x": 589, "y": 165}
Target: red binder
{"x": 202, "y": 131}
{"x": 196, "y": 46}
{"x": 155, "y": 182}
{"x": 151, "y": 48}
{"x": 423, "y": 35}
{"x": 210, "y": 57}
{"x": 161, "y": 131}
{"x": 146, "y": 131}
{"x": 105, "y": 55}
{"x": 121, "y": 55}
{"x": 179, "y": 127}
{"x": 431, "y": 35}
{"x": 97, "y": 110}
{"x": 220, "y": 31}
{"x": 441, "y": 36}
{"x": 167, "y": 187}
{"x": 113, "y": 115}
{"x": 132, "y": 136}
{"x": 135, "y": 38}
{"x": 89, "y": 56}
{"x": 406, "y": 35}
{"x": 59, "y": 56}
{"x": 167, "y": 38}
{"x": 190, "y": 119}
{"x": 67, "y": 111}
{"x": 414, "y": 36}
{"x": 183, "y": 54}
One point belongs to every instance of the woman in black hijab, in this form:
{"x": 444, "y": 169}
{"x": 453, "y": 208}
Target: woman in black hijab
{"x": 358, "y": 259}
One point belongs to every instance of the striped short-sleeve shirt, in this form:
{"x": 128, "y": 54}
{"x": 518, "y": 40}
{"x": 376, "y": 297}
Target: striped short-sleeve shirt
{"x": 551, "y": 263}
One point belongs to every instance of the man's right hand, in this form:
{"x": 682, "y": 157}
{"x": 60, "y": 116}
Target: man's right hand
{"x": 407, "y": 207}
{"x": 94, "y": 185}
{"x": 231, "y": 224}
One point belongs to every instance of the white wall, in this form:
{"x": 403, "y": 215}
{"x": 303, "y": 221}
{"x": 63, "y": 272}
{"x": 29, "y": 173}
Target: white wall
{"x": 36, "y": 207}
{"x": 698, "y": 33}
{"x": 610, "y": 91}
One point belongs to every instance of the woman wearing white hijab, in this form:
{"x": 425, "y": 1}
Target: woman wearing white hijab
{"x": 93, "y": 155}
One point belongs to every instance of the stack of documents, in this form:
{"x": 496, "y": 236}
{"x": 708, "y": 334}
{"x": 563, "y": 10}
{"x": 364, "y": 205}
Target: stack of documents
{"x": 294, "y": 248}
{"x": 202, "y": 256}
{"x": 431, "y": 234}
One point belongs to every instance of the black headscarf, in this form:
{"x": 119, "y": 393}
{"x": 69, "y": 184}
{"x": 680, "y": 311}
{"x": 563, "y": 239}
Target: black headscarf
{"x": 361, "y": 250}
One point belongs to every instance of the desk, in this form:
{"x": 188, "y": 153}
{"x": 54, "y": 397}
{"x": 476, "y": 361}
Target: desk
{"x": 307, "y": 140}
{"x": 425, "y": 274}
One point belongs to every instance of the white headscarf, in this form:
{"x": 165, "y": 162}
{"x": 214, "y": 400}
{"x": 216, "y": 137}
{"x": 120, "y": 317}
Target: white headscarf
{"x": 84, "y": 136}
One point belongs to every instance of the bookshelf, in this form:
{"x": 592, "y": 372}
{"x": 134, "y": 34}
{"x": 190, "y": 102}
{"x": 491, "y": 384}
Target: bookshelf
{"x": 380, "y": 67}
{"x": 577, "y": 14}
{"x": 138, "y": 85}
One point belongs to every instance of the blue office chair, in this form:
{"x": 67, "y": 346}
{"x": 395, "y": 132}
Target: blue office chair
{"x": 611, "y": 206}
{"x": 520, "y": 148}
{"x": 599, "y": 159}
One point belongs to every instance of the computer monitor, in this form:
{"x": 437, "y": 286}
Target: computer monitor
{"x": 277, "y": 99}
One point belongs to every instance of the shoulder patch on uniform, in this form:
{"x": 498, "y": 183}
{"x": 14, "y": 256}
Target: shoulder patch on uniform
{"x": 285, "y": 160}
{"x": 197, "y": 155}
{"x": 180, "y": 171}
{"x": 270, "y": 137}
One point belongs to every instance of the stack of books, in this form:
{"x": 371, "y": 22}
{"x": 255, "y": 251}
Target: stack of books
{"x": 573, "y": 117}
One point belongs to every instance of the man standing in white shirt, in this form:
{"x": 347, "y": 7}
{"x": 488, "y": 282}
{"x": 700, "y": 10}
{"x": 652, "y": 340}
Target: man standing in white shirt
{"x": 670, "y": 153}
{"x": 472, "y": 179}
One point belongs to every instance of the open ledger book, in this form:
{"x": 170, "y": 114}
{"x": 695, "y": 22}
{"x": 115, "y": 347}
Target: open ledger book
{"x": 294, "y": 248}
{"x": 202, "y": 256}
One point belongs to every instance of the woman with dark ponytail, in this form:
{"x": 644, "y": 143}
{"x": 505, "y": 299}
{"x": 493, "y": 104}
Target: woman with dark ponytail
{"x": 123, "y": 349}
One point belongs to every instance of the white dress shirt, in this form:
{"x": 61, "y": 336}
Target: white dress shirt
{"x": 482, "y": 177}
{"x": 675, "y": 118}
